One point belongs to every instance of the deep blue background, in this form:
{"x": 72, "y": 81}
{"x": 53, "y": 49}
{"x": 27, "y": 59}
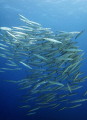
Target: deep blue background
{"x": 61, "y": 15}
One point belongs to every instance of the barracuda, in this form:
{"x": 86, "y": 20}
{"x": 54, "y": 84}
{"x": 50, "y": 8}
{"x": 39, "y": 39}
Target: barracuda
{"x": 54, "y": 62}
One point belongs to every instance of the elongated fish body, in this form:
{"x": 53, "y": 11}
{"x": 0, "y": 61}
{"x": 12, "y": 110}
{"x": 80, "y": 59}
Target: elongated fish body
{"x": 85, "y": 93}
{"x": 75, "y": 106}
{"x": 79, "y": 34}
{"x": 25, "y": 64}
{"x": 78, "y": 100}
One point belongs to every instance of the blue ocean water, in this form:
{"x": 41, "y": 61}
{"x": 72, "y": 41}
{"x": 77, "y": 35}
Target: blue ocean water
{"x": 61, "y": 15}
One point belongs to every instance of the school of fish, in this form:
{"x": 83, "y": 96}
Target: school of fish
{"x": 52, "y": 61}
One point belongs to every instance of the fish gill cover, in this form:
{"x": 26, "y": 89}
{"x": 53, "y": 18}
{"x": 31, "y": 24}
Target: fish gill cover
{"x": 53, "y": 62}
